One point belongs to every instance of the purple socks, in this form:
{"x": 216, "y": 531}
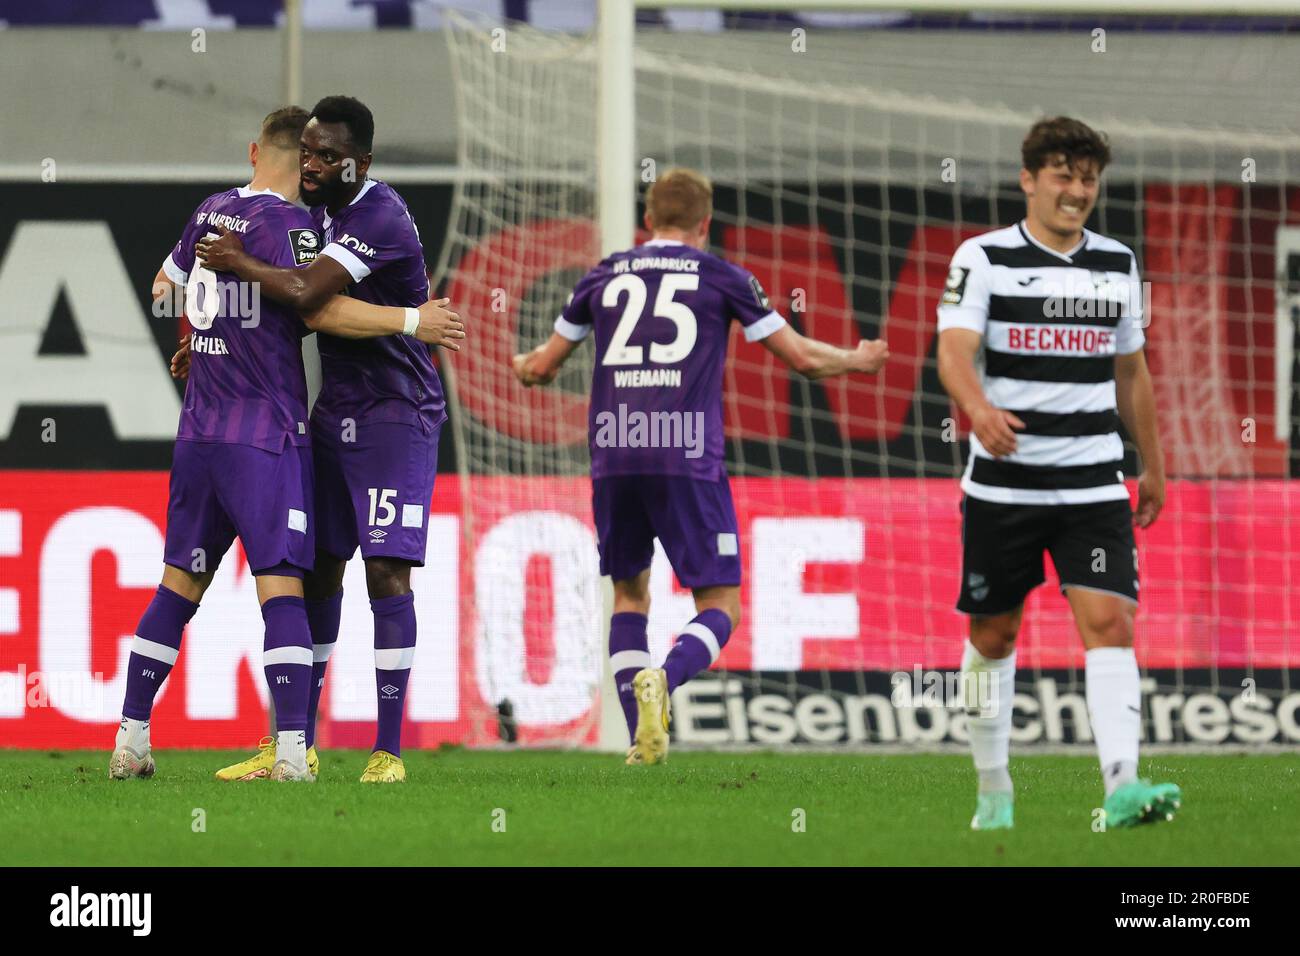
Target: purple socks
{"x": 697, "y": 647}
{"x": 287, "y": 660}
{"x": 154, "y": 650}
{"x": 628, "y": 653}
{"x": 394, "y": 653}
{"x": 323, "y": 621}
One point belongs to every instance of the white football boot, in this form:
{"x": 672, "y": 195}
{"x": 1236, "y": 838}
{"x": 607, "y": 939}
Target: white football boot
{"x": 132, "y": 755}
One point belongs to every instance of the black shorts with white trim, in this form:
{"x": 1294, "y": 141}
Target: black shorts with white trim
{"x": 1091, "y": 545}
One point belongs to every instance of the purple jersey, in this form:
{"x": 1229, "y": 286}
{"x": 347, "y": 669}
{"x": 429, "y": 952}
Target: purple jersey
{"x": 662, "y": 314}
{"x": 246, "y": 383}
{"x": 391, "y": 378}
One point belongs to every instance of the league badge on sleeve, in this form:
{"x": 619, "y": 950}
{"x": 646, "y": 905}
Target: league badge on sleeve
{"x": 759, "y": 295}
{"x": 305, "y": 245}
{"x": 955, "y": 288}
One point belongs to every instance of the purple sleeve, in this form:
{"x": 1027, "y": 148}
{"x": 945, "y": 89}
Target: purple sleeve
{"x": 180, "y": 262}
{"x": 748, "y": 303}
{"x": 373, "y": 238}
{"x": 286, "y": 238}
{"x": 574, "y": 321}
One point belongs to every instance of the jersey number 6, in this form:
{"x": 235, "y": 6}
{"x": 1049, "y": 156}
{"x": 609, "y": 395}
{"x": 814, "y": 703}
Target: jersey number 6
{"x": 201, "y": 295}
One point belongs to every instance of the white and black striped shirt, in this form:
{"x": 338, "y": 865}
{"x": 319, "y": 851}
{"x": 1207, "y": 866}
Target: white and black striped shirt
{"x": 1052, "y": 324}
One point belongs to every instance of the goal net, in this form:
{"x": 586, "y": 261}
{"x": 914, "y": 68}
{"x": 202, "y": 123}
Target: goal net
{"x": 848, "y": 166}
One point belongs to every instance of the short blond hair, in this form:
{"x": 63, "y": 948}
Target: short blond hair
{"x": 283, "y": 127}
{"x": 679, "y": 199}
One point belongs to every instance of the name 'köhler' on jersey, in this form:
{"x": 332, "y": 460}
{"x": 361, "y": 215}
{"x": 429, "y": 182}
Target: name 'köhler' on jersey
{"x": 209, "y": 345}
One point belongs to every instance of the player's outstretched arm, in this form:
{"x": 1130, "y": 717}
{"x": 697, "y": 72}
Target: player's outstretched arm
{"x": 1135, "y": 398}
{"x": 993, "y": 426}
{"x": 814, "y": 359}
{"x": 542, "y": 364}
{"x": 303, "y": 290}
{"x": 349, "y": 318}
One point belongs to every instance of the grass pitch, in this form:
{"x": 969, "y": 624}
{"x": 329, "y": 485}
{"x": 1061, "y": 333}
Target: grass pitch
{"x": 588, "y": 809}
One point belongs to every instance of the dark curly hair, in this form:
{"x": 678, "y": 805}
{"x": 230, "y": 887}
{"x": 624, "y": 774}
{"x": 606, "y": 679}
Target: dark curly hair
{"x": 1062, "y": 136}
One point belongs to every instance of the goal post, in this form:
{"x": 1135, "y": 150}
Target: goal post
{"x": 847, "y": 170}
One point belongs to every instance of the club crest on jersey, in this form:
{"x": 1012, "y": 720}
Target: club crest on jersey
{"x": 977, "y": 586}
{"x": 955, "y": 288}
{"x": 759, "y": 295}
{"x": 304, "y": 244}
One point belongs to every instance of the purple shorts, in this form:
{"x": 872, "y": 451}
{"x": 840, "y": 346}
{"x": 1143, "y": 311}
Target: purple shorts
{"x": 374, "y": 491}
{"x": 220, "y": 491}
{"x": 694, "y": 520}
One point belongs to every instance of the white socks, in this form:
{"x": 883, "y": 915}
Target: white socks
{"x": 291, "y": 745}
{"x": 133, "y": 734}
{"x": 990, "y": 687}
{"x": 1114, "y": 707}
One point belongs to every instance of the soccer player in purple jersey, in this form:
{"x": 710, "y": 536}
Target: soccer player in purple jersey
{"x": 661, "y": 313}
{"x": 242, "y": 460}
{"x": 243, "y": 425}
{"x": 376, "y": 423}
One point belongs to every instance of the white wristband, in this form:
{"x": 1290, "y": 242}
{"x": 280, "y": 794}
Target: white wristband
{"x": 412, "y": 321}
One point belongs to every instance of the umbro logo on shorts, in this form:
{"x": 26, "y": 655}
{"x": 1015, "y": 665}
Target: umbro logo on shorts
{"x": 378, "y": 535}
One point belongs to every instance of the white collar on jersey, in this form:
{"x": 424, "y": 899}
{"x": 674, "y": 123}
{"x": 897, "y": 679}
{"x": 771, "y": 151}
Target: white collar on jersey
{"x": 355, "y": 199}
{"x": 663, "y": 242}
{"x": 1029, "y": 236}
{"x": 246, "y": 191}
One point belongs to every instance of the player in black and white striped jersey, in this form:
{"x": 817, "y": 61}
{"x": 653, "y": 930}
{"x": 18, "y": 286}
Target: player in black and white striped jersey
{"x": 1054, "y": 312}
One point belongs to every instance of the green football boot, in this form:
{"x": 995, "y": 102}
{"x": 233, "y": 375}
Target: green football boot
{"x": 1141, "y": 801}
{"x": 993, "y": 811}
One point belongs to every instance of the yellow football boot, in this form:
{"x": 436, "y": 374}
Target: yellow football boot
{"x": 653, "y": 711}
{"x": 384, "y": 768}
{"x": 258, "y": 766}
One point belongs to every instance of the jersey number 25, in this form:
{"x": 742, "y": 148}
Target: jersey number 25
{"x": 662, "y": 353}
